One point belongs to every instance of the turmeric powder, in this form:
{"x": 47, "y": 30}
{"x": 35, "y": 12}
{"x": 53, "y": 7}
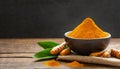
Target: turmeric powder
{"x": 87, "y": 29}
{"x": 51, "y": 63}
{"x": 75, "y": 64}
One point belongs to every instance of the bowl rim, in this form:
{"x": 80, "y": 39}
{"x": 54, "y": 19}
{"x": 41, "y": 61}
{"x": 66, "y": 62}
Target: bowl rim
{"x": 109, "y": 36}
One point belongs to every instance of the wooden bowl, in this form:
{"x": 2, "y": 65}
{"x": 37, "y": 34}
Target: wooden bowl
{"x": 87, "y": 46}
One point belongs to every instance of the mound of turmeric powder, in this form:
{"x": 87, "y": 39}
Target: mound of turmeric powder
{"x": 87, "y": 29}
{"x": 75, "y": 64}
{"x": 51, "y": 63}
{"x": 56, "y": 63}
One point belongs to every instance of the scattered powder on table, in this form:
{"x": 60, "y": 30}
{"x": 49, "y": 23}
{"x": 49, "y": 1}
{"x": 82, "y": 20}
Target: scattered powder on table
{"x": 87, "y": 29}
{"x": 51, "y": 63}
{"x": 75, "y": 64}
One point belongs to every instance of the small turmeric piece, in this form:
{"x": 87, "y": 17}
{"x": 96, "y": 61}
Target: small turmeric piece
{"x": 96, "y": 54}
{"x": 51, "y": 63}
{"x": 75, "y": 64}
{"x": 115, "y": 53}
{"x": 106, "y": 54}
{"x": 65, "y": 51}
{"x": 58, "y": 48}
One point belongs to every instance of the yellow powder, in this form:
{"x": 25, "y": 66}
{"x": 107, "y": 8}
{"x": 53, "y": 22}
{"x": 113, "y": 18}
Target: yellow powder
{"x": 51, "y": 63}
{"x": 75, "y": 64}
{"x": 87, "y": 29}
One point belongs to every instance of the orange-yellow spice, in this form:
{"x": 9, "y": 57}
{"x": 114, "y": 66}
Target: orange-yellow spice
{"x": 87, "y": 29}
{"x": 75, "y": 64}
{"x": 51, "y": 63}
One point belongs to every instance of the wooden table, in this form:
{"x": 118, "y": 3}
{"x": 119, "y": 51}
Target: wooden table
{"x": 17, "y": 54}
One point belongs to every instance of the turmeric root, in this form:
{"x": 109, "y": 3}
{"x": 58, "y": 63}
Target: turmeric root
{"x": 106, "y": 54}
{"x": 96, "y": 54}
{"x": 65, "y": 51}
{"x": 58, "y": 48}
{"x": 115, "y": 53}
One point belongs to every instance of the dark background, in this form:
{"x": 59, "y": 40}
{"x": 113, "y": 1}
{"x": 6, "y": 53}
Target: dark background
{"x": 52, "y": 18}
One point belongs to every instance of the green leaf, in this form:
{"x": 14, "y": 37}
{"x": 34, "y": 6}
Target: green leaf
{"x": 44, "y": 54}
{"x": 66, "y": 46}
{"x": 47, "y": 44}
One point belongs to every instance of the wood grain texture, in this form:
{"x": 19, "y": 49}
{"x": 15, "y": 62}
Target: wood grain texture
{"x": 17, "y": 54}
{"x": 29, "y": 63}
{"x": 23, "y": 45}
{"x": 90, "y": 59}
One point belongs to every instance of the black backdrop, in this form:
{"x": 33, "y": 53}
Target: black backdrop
{"x": 52, "y": 18}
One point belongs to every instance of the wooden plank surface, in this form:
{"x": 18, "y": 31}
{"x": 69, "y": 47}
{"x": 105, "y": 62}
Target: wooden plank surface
{"x": 17, "y": 54}
{"x": 29, "y": 63}
{"x": 23, "y": 45}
